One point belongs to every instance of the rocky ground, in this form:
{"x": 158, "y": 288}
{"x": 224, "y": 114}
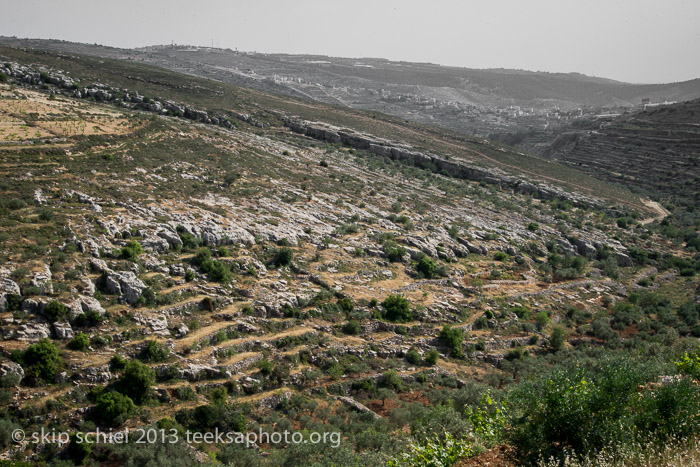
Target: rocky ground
{"x": 258, "y": 257}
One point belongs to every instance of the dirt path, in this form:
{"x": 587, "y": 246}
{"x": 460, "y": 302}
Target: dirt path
{"x": 660, "y": 211}
{"x": 202, "y": 332}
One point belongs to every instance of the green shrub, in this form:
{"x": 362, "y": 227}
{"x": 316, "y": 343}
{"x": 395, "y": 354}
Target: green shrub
{"x": 41, "y": 361}
{"x": 398, "y": 308}
{"x": 225, "y": 417}
{"x": 131, "y": 251}
{"x": 189, "y": 241}
{"x": 154, "y": 352}
{"x": 432, "y": 357}
{"x": 283, "y": 257}
{"x": 80, "y": 341}
{"x": 19, "y": 273}
{"x": 117, "y": 362}
{"x": 609, "y": 406}
{"x": 533, "y": 227}
{"x": 566, "y": 267}
{"x": 266, "y": 366}
{"x": 542, "y": 319}
{"x": 689, "y": 364}
{"x": 216, "y": 271}
{"x": 15, "y": 204}
{"x": 453, "y": 338}
{"x": 427, "y": 267}
{"x": 393, "y": 251}
{"x": 89, "y": 318}
{"x": 364, "y": 384}
{"x": 348, "y": 228}
{"x": 218, "y": 395}
{"x": 392, "y": 380}
{"x": 46, "y": 214}
{"x": 413, "y": 357}
{"x": 101, "y": 341}
{"x": 443, "y": 451}
{"x": 352, "y": 327}
{"x": 185, "y": 393}
{"x": 77, "y": 451}
{"x": 55, "y": 311}
{"x": 500, "y": 256}
{"x": 136, "y": 381}
{"x": 14, "y": 302}
{"x": 113, "y": 408}
{"x": 7, "y": 426}
{"x": 557, "y": 338}
{"x": 346, "y": 304}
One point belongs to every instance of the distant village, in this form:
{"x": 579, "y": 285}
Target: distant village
{"x": 481, "y": 119}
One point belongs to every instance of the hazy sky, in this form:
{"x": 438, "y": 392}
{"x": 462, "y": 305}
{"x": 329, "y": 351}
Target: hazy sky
{"x": 628, "y": 40}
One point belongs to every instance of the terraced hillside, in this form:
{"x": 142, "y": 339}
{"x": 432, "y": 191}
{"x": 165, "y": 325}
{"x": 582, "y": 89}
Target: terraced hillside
{"x": 186, "y": 255}
{"x": 652, "y": 151}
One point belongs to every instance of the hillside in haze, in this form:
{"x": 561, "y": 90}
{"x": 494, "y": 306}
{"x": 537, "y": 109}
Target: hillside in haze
{"x": 476, "y": 102}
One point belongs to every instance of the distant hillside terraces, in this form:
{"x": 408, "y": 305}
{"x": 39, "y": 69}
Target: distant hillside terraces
{"x": 652, "y": 150}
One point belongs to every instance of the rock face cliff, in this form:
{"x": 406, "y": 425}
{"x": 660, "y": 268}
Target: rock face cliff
{"x": 436, "y": 163}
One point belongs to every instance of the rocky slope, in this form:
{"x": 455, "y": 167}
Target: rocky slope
{"x": 249, "y": 260}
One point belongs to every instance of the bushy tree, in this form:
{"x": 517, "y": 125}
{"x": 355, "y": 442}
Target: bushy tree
{"x": 352, "y": 327}
{"x": 77, "y": 452}
{"x": 413, "y": 357}
{"x": 216, "y": 271}
{"x": 41, "y": 361}
{"x": 432, "y": 357}
{"x": 393, "y": 250}
{"x": 55, "y": 311}
{"x": 392, "y": 380}
{"x": 427, "y": 267}
{"x": 557, "y": 338}
{"x": 398, "y": 308}
{"x": 131, "y": 251}
{"x": 154, "y": 352}
{"x": 136, "y": 381}
{"x": 608, "y": 405}
{"x": 453, "y": 338}
{"x": 113, "y": 408}
{"x": 117, "y": 362}
{"x": 283, "y": 257}
{"x": 80, "y": 341}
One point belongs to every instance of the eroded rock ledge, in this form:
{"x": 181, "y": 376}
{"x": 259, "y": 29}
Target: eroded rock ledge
{"x": 456, "y": 169}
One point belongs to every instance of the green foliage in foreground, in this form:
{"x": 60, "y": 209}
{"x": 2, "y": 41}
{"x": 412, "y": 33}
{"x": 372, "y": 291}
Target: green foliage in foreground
{"x": 689, "y": 364}
{"x": 613, "y": 406}
{"x": 442, "y": 451}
